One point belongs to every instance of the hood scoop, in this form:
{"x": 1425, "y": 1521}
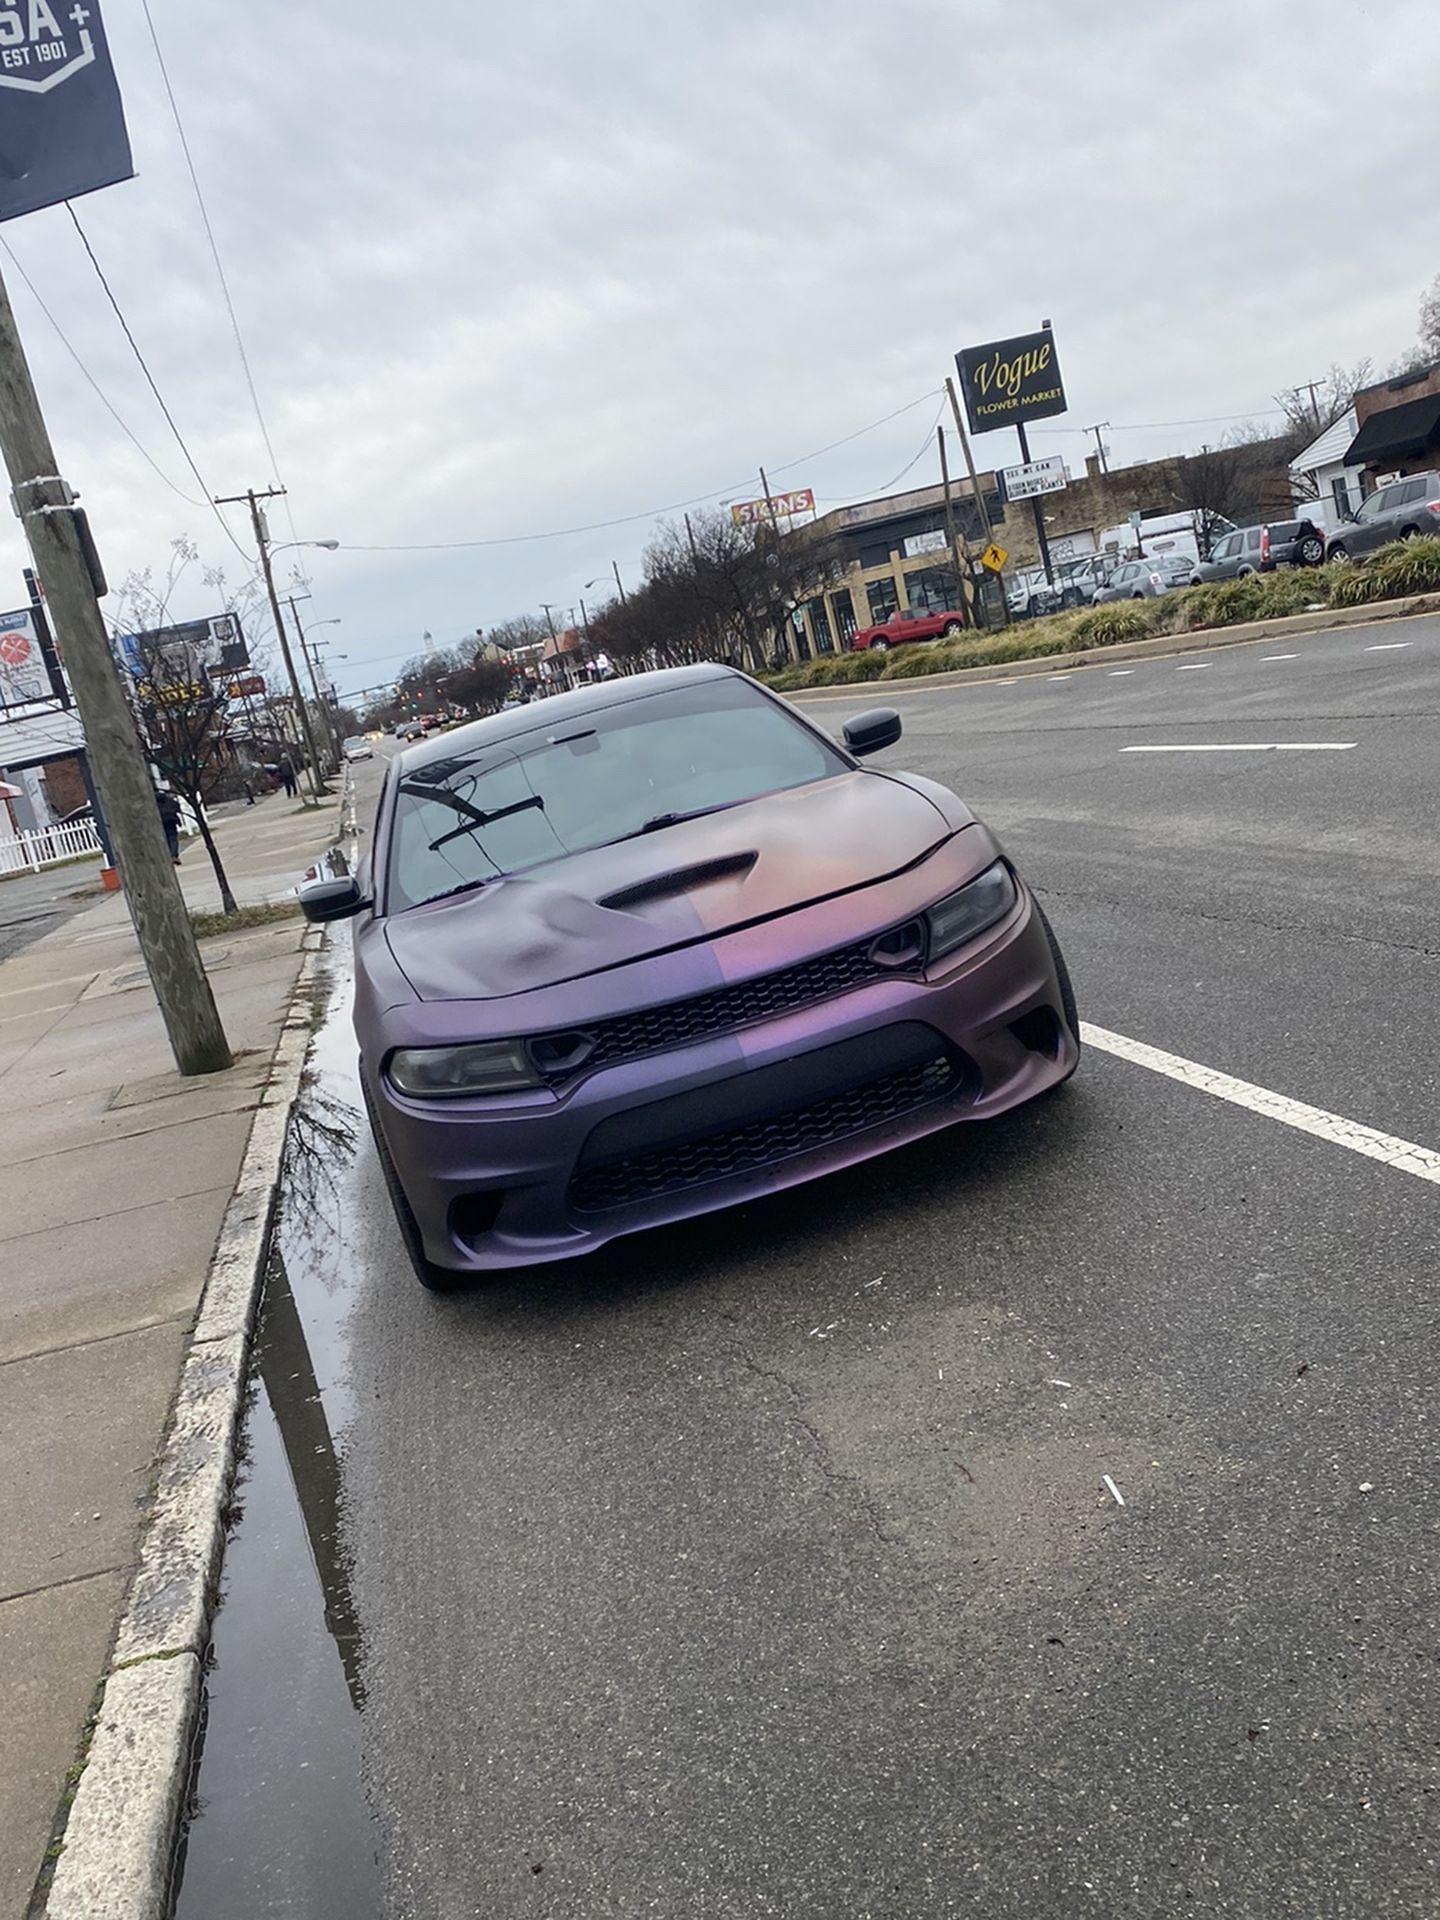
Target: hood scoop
{"x": 665, "y": 886}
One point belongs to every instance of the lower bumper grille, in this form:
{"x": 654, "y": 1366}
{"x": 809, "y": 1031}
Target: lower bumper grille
{"x": 762, "y": 1143}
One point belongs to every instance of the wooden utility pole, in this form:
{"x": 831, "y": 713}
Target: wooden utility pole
{"x": 117, "y": 759}
{"x": 262, "y": 542}
{"x": 619, "y": 583}
{"x": 321, "y": 707}
{"x": 969, "y": 456}
{"x": 959, "y": 546}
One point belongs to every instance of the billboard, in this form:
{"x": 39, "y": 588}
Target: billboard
{"x": 24, "y": 677}
{"x": 756, "y": 513}
{"x": 192, "y": 649}
{"x": 1007, "y": 381}
{"x": 1040, "y": 476}
{"x": 64, "y": 124}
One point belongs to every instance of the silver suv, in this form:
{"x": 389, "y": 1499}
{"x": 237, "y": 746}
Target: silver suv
{"x": 1396, "y": 512}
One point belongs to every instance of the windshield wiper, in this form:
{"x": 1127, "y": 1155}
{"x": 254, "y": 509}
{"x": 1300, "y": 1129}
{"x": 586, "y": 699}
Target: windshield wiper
{"x": 465, "y": 886}
{"x": 663, "y": 820}
{"x": 475, "y": 818}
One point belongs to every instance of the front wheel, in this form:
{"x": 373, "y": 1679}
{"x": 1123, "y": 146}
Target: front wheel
{"x": 1062, "y": 976}
{"x": 950, "y": 626}
{"x": 433, "y": 1278}
{"x": 1338, "y": 557}
{"x": 879, "y": 646}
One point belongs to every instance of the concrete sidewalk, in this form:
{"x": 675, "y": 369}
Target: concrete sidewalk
{"x": 114, "y": 1178}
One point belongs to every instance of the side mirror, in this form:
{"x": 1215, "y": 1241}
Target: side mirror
{"x": 330, "y": 891}
{"x": 869, "y": 732}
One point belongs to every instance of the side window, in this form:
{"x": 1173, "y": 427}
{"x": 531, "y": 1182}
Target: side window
{"x": 1370, "y": 508}
{"x": 1412, "y": 491}
{"x": 1226, "y": 547}
{"x": 1390, "y": 498}
{"x": 1252, "y": 539}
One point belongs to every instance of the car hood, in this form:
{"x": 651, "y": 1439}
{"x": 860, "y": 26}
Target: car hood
{"x": 693, "y": 881}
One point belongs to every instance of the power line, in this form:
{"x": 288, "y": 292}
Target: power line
{"x": 150, "y": 378}
{"x": 650, "y": 513}
{"x": 215, "y": 256}
{"x": 103, "y": 397}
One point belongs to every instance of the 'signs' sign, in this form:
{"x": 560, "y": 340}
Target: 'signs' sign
{"x": 1007, "y": 381}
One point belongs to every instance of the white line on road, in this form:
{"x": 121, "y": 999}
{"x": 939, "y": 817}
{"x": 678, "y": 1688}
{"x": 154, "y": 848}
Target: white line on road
{"x": 1279, "y": 656}
{"x": 1193, "y": 666}
{"x": 1388, "y": 646}
{"x": 1254, "y": 746}
{"x": 1402, "y": 1156}
{"x": 1057, "y": 676}
{"x": 1119, "y": 673}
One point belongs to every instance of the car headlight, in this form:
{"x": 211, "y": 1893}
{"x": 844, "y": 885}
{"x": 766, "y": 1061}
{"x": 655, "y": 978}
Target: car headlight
{"x": 491, "y": 1066}
{"x": 970, "y": 911}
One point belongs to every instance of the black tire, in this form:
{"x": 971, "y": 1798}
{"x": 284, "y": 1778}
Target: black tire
{"x": 433, "y": 1278}
{"x": 1338, "y": 555}
{"x": 950, "y": 626}
{"x": 1072, "y": 598}
{"x": 1409, "y": 533}
{"x": 1062, "y": 974}
{"x": 1244, "y": 573}
{"x": 879, "y": 646}
{"x": 1311, "y": 551}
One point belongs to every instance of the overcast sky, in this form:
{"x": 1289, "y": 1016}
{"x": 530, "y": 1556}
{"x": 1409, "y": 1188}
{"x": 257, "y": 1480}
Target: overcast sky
{"x": 504, "y": 269}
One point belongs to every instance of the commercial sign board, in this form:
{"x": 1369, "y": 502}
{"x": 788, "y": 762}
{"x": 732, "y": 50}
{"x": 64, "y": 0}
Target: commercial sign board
{"x": 23, "y": 674}
{"x": 786, "y": 506}
{"x": 1008, "y": 381}
{"x": 194, "y": 647}
{"x": 1040, "y": 476}
{"x": 63, "y": 119}
{"x": 919, "y": 543}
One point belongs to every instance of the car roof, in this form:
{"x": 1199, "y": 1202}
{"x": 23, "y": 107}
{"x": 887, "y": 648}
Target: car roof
{"x": 560, "y": 710}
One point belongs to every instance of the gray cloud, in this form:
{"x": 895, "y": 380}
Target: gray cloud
{"x": 506, "y": 270}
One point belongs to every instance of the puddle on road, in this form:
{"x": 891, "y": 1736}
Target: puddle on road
{"x": 279, "y": 1824}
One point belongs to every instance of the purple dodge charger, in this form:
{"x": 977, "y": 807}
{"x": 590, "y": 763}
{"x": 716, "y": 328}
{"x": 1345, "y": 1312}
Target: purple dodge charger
{"x": 660, "y": 946}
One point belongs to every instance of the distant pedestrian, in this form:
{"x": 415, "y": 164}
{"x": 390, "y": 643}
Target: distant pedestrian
{"x": 170, "y": 820}
{"x": 287, "y": 777}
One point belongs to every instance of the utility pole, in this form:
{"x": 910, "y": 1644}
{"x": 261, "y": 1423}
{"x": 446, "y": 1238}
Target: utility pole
{"x": 969, "y": 456}
{"x": 959, "y": 550}
{"x": 1100, "y": 445}
{"x": 784, "y": 633}
{"x": 320, "y": 706}
{"x": 262, "y": 542}
{"x": 620, "y": 584}
{"x": 45, "y": 506}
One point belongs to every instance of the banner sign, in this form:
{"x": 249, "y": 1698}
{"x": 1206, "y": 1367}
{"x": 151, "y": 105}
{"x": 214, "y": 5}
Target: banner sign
{"x": 1041, "y": 476}
{"x": 756, "y": 513}
{"x": 189, "y": 651}
{"x": 1007, "y": 381}
{"x": 919, "y": 543}
{"x": 23, "y": 674}
{"x": 62, "y": 124}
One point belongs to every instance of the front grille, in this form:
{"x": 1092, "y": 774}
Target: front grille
{"x": 762, "y": 1143}
{"x": 726, "y": 1010}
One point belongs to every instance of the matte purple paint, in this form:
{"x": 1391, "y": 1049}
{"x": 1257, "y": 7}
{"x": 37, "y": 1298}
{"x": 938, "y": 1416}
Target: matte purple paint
{"x": 815, "y": 870}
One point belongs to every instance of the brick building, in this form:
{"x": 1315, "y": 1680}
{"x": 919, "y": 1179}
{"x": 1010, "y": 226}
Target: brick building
{"x": 1398, "y": 426}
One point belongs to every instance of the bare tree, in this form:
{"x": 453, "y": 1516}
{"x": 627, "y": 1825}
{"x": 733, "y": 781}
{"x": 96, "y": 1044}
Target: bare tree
{"x": 1315, "y": 405}
{"x": 1430, "y": 321}
{"x": 184, "y": 719}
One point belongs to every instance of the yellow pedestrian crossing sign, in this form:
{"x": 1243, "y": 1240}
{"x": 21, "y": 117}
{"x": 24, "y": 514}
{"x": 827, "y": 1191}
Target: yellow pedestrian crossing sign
{"x": 994, "y": 558}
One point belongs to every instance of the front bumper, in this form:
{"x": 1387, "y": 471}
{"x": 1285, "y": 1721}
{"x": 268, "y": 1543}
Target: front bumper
{"x": 528, "y": 1178}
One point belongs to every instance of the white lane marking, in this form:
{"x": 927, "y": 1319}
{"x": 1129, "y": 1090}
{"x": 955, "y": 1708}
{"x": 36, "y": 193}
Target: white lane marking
{"x": 1193, "y": 666}
{"x": 1279, "y": 656}
{"x": 1403, "y": 1156}
{"x": 1057, "y": 676}
{"x": 1119, "y": 673}
{"x": 1254, "y": 746}
{"x": 1115, "y": 1492}
{"x": 1388, "y": 646}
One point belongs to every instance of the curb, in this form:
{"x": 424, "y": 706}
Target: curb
{"x": 117, "y": 1848}
{"x": 1203, "y": 640}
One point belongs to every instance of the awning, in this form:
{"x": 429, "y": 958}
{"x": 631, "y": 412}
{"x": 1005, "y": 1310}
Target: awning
{"x": 1397, "y": 432}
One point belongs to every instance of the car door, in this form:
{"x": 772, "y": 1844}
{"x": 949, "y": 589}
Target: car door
{"x": 1370, "y": 527}
{"x": 1404, "y": 511}
{"x": 1224, "y": 558}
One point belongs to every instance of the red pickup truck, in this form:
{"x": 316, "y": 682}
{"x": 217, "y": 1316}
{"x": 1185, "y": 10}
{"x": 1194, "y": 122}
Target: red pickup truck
{"x": 903, "y": 627}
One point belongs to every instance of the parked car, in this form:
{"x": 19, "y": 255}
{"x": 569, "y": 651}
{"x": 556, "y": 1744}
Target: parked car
{"x": 1395, "y": 512}
{"x": 661, "y": 946}
{"x": 1279, "y": 543}
{"x": 901, "y": 628}
{"x": 1144, "y": 579}
{"x": 1076, "y": 584}
{"x": 358, "y": 747}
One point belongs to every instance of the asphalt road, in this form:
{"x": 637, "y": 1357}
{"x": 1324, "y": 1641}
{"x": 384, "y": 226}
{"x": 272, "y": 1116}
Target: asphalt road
{"x": 768, "y": 1567}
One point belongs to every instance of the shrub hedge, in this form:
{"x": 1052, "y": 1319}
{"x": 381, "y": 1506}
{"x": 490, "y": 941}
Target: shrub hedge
{"x": 1393, "y": 573}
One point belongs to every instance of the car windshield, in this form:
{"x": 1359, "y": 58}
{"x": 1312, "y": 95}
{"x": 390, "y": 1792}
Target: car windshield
{"x": 604, "y": 776}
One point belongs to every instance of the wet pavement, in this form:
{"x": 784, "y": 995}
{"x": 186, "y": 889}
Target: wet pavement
{"x": 777, "y": 1565}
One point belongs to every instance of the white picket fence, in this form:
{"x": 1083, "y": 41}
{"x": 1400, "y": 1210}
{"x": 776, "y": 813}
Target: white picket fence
{"x": 47, "y": 847}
